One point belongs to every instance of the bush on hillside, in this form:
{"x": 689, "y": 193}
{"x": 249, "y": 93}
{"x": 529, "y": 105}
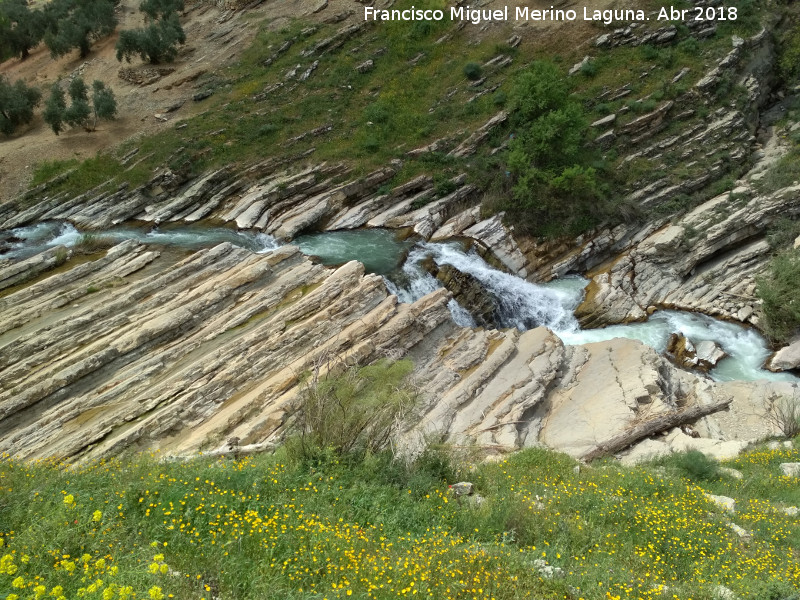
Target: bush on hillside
{"x": 696, "y": 466}
{"x": 780, "y": 296}
{"x": 473, "y": 71}
{"x": 17, "y": 102}
{"x": 555, "y": 189}
{"x": 354, "y": 412}
{"x": 156, "y": 43}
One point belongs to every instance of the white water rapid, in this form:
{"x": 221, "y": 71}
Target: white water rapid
{"x": 519, "y": 303}
{"x": 525, "y": 305}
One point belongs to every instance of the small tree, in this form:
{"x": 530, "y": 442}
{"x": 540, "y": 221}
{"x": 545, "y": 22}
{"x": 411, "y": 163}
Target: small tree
{"x": 155, "y": 43}
{"x": 80, "y": 111}
{"x": 20, "y": 28}
{"x": 103, "y": 102}
{"x": 54, "y": 109}
{"x": 17, "y": 102}
{"x": 160, "y": 9}
{"x": 78, "y": 23}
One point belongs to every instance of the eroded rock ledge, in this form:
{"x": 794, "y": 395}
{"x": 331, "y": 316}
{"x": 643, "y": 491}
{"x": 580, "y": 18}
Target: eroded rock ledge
{"x": 136, "y": 348}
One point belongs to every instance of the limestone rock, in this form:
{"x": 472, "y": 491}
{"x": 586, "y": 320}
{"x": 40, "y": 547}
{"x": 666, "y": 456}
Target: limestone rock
{"x": 462, "y": 488}
{"x": 785, "y": 359}
{"x": 702, "y": 357}
{"x": 493, "y": 234}
{"x": 136, "y": 348}
{"x": 790, "y": 469}
{"x": 735, "y": 474}
{"x": 578, "y": 66}
{"x": 725, "y": 503}
{"x": 468, "y": 292}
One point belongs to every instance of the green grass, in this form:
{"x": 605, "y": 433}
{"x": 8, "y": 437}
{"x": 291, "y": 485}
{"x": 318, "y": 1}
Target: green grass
{"x": 377, "y": 528}
{"x": 780, "y": 296}
{"x": 784, "y": 173}
{"x": 397, "y": 106}
{"x": 47, "y": 170}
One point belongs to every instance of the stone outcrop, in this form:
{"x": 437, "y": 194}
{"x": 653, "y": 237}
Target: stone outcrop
{"x": 785, "y": 359}
{"x": 705, "y": 261}
{"x": 703, "y": 356}
{"x": 268, "y": 197}
{"x": 468, "y": 292}
{"x": 138, "y": 348}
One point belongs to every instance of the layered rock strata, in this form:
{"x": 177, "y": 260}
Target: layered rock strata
{"x": 138, "y": 347}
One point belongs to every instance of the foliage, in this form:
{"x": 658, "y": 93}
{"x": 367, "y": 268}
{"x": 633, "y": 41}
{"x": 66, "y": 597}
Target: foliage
{"x": 695, "y": 465}
{"x": 356, "y": 411}
{"x": 555, "y": 188}
{"x": 380, "y": 528}
{"x": 783, "y": 412}
{"x": 104, "y": 104}
{"x": 473, "y": 71}
{"x": 783, "y": 232}
{"x": 80, "y": 112}
{"x": 160, "y": 9}
{"x": 77, "y": 23}
{"x": 17, "y": 102}
{"x": 156, "y": 43}
{"x": 780, "y": 296}
{"x": 789, "y": 55}
{"x": 20, "y": 28}
{"x": 55, "y": 109}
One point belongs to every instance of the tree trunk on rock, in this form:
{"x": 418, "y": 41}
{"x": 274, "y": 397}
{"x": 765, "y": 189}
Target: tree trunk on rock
{"x": 653, "y": 426}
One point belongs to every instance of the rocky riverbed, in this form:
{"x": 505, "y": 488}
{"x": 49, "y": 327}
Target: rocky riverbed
{"x": 136, "y": 347}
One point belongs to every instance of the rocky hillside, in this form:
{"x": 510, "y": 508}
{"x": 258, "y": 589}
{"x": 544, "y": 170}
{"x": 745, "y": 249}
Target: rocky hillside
{"x": 135, "y": 347}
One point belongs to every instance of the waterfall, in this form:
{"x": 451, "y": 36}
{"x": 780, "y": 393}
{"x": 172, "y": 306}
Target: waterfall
{"x": 520, "y": 304}
{"x": 525, "y": 305}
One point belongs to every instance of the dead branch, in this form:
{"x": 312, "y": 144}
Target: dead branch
{"x": 653, "y": 426}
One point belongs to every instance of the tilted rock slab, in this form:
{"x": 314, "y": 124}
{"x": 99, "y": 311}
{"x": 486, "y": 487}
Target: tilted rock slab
{"x": 140, "y": 348}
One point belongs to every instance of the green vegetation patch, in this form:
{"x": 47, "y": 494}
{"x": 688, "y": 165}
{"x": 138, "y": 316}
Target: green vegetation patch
{"x": 780, "y": 295}
{"x": 377, "y": 527}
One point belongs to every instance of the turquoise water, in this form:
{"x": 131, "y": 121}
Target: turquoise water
{"x": 378, "y": 249}
{"x": 519, "y": 303}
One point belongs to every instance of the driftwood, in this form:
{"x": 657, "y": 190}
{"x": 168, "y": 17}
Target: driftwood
{"x": 653, "y": 426}
{"x": 229, "y": 450}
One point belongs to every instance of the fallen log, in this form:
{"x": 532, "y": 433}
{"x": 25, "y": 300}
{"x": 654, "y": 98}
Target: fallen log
{"x": 233, "y": 451}
{"x": 653, "y": 426}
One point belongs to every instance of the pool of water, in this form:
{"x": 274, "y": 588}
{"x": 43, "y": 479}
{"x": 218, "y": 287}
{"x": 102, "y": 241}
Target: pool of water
{"x": 519, "y": 303}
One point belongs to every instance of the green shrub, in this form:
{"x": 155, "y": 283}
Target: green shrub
{"x": 589, "y": 68}
{"x": 783, "y": 232}
{"x": 780, "y": 296}
{"x": 499, "y": 98}
{"x": 783, "y": 412}
{"x": 354, "y": 412}
{"x": 696, "y": 466}
{"x": 473, "y": 71}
